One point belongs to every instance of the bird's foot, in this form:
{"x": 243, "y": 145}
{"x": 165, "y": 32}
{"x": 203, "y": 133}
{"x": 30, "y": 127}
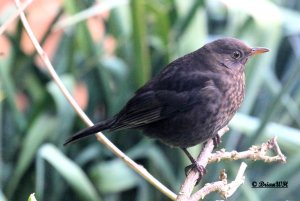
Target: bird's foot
{"x": 216, "y": 140}
{"x": 194, "y": 164}
{"x": 201, "y": 170}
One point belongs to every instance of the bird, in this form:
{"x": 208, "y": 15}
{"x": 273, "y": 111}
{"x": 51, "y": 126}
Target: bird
{"x": 190, "y": 100}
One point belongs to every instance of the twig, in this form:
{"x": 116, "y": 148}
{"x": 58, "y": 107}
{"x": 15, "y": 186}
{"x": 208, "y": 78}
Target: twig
{"x": 100, "y": 137}
{"x": 276, "y": 148}
{"x": 14, "y": 16}
{"x": 225, "y": 190}
{"x": 254, "y": 153}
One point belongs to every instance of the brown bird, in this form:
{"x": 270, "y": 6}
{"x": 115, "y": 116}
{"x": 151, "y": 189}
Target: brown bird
{"x": 190, "y": 100}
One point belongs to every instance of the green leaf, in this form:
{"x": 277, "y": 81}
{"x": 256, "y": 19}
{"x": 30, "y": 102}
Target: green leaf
{"x": 40, "y": 130}
{"x": 32, "y": 197}
{"x": 8, "y": 91}
{"x": 247, "y": 124}
{"x": 183, "y": 24}
{"x": 70, "y": 171}
{"x": 65, "y": 112}
{"x": 142, "y": 65}
{"x": 2, "y": 197}
{"x": 153, "y": 154}
{"x": 113, "y": 176}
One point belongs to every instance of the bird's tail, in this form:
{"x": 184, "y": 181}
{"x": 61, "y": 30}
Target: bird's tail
{"x": 103, "y": 125}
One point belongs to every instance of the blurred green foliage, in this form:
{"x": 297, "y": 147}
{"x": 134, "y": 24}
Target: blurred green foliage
{"x": 148, "y": 35}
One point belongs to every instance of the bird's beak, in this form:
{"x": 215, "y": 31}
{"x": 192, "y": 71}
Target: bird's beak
{"x": 258, "y": 50}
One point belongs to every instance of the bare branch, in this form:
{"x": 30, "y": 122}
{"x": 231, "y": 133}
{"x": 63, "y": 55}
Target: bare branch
{"x": 223, "y": 187}
{"x": 253, "y": 153}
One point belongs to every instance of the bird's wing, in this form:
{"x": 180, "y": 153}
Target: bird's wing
{"x": 142, "y": 109}
{"x": 154, "y": 105}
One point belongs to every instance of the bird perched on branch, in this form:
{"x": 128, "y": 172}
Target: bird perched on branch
{"x": 190, "y": 100}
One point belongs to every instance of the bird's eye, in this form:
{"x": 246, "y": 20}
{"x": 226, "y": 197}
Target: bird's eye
{"x": 236, "y": 54}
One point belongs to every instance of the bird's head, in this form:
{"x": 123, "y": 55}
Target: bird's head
{"x": 232, "y": 53}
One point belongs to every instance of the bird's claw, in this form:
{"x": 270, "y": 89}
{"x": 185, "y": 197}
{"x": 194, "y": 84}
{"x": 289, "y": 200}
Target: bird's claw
{"x": 201, "y": 170}
{"x": 216, "y": 140}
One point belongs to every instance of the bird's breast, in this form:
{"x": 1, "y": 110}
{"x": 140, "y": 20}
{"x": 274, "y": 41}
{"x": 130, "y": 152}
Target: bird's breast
{"x": 233, "y": 93}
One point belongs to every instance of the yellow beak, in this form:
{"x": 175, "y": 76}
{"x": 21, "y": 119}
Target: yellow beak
{"x": 258, "y": 50}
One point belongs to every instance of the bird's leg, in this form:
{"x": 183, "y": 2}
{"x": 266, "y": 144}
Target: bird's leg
{"x": 194, "y": 164}
{"x": 216, "y": 140}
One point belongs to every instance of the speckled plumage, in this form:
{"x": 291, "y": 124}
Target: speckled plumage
{"x": 190, "y": 100}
